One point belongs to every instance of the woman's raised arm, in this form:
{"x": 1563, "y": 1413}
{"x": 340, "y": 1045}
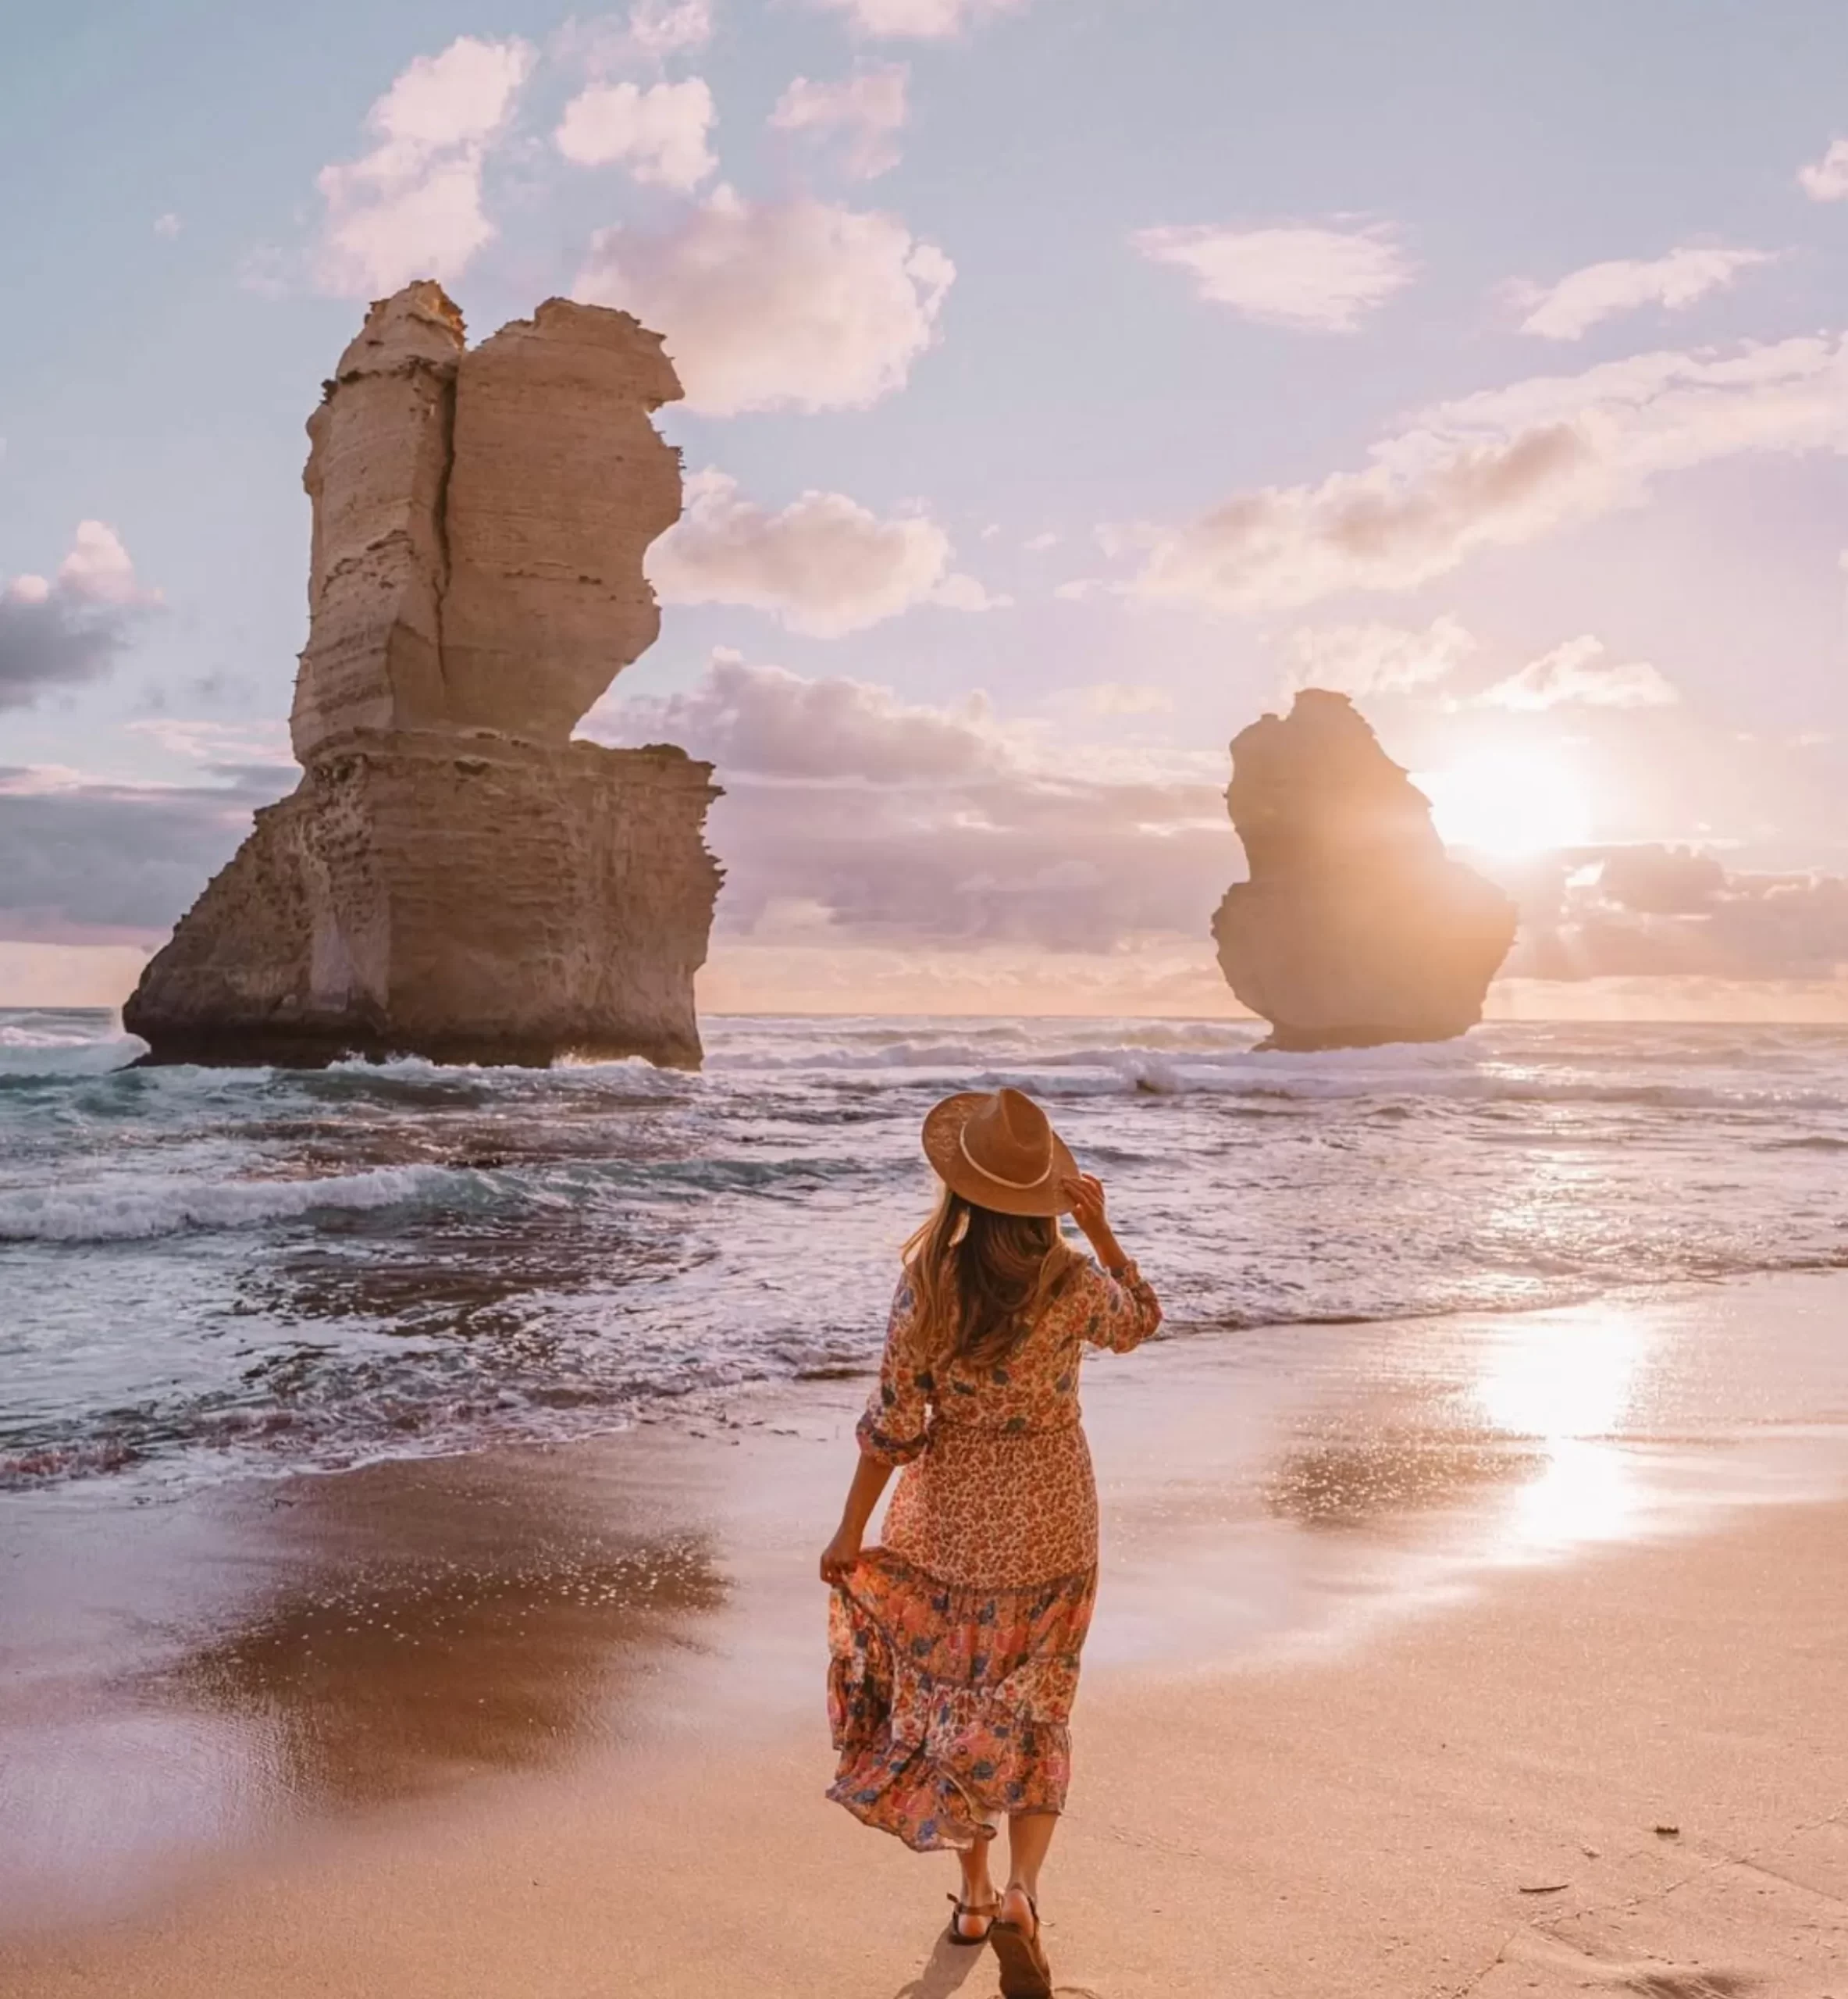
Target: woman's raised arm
{"x": 1124, "y": 1310}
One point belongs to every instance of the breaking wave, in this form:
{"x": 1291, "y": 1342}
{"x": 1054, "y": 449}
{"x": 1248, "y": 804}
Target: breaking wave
{"x": 120, "y": 1211}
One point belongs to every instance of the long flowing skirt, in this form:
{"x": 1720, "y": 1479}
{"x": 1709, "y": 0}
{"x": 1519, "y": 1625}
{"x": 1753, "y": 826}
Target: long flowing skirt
{"x": 952, "y": 1666}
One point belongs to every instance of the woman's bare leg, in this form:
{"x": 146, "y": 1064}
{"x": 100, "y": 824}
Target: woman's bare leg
{"x": 1029, "y": 1834}
{"x": 977, "y": 1890}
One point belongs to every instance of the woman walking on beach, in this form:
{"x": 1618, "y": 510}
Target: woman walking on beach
{"x": 954, "y": 1646}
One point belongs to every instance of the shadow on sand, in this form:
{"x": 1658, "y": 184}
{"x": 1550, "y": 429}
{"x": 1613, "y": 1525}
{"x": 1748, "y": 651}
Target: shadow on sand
{"x": 950, "y": 1969}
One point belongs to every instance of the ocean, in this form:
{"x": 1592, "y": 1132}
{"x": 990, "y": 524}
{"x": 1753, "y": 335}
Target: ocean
{"x": 211, "y": 1274}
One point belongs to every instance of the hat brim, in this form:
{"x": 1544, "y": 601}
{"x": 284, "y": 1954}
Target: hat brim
{"x": 943, "y": 1147}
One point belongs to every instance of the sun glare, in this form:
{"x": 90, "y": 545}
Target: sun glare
{"x": 1509, "y": 802}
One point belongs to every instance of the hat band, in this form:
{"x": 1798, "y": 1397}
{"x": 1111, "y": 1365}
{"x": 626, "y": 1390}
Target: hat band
{"x": 1001, "y": 1179}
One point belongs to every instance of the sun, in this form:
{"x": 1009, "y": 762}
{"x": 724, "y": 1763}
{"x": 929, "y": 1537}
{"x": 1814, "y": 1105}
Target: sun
{"x": 1509, "y": 801}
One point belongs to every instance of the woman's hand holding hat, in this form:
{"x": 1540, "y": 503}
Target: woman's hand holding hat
{"x": 1085, "y": 1193}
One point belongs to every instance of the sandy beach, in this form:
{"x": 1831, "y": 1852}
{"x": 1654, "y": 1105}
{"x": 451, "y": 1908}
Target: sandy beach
{"x": 1380, "y": 1702}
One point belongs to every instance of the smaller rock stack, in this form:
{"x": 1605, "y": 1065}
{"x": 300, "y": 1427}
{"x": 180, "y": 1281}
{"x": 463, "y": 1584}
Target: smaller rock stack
{"x": 1355, "y": 928}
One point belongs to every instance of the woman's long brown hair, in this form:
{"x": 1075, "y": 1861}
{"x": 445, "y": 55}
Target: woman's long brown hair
{"x": 980, "y": 1279}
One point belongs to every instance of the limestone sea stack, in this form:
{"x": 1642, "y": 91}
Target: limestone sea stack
{"x": 454, "y": 876}
{"x": 1355, "y": 928}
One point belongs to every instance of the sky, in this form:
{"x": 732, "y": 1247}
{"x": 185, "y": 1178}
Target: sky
{"x": 1067, "y": 382}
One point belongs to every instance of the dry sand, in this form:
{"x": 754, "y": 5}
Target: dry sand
{"x": 1624, "y": 1772}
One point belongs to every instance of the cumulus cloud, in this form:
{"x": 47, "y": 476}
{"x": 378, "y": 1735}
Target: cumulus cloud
{"x": 1580, "y": 673}
{"x": 61, "y": 630}
{"x": 958, "y": 592}
{"x": 412, "y": 206}
{"x": 918, "y": 20}
{"x": 660, "y": 28}
{"x": 866, "y": 112}
{"x": 825, "y": 564}
{"x": 795, "y": 304}
{"x": 1501, "y": 468}
{"x": 1319, "y": 280}
{"x": 1569, "y": 310}
{"x": 764, "y": 722}
{"x": 643, "y": 41}
{"x": 98, "y": 568}
{"x": 1364, "y": 660}
{"x": 658, "y": 134}
{"x": 1826, "y": 179}
{"x": 1660, "y": 881}
{"x": 897, "y": 823}
{"x": 1662, "y": 912}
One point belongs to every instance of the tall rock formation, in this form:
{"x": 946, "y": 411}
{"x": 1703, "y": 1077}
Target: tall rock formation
{"x": 1355, "y": 928}
{"x": 454, "y": 876}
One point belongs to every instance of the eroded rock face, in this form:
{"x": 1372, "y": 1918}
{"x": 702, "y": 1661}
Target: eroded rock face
{"x": 379, "y": 461}
{"x": 560, "y": 483}
{"x": 1355, "y": 928}
{"x": 454, "y": 877}
{"x": 502, "y": 904}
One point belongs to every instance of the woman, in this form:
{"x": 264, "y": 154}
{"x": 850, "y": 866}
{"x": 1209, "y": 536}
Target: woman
{"x": 954, "y": 1646}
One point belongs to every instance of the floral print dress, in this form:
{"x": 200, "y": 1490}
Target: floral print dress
{"x": 953, "y": 1646}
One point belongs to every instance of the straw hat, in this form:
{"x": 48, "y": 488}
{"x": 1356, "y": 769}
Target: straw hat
{"x": 996, "y": 1149}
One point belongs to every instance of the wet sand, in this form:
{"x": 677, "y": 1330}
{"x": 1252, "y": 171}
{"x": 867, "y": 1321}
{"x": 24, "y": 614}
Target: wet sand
{"x": 1399, "y": 1668}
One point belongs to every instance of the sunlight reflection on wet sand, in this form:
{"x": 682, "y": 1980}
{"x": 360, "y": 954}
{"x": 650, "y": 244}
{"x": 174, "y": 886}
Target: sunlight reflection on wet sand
{"x": 1571, "y": 1384}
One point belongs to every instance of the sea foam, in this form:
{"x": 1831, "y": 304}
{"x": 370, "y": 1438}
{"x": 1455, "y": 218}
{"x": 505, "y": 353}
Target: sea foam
{"x": 120, "y": 1210}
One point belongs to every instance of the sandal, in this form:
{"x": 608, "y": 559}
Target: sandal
{"x": 954, "y": 1935}
{"x": 1025, "y": 1973}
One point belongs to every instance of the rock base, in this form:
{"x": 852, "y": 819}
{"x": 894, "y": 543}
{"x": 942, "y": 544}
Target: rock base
{"x": 464, "y": 899}
{"x": 1310, "y": 1041}
{"x": 1345, "y": 965}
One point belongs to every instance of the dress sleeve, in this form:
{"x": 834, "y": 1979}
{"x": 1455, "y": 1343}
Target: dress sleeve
{"x": 1122, "y": 1310}
{"x": 892, "y": 1429}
